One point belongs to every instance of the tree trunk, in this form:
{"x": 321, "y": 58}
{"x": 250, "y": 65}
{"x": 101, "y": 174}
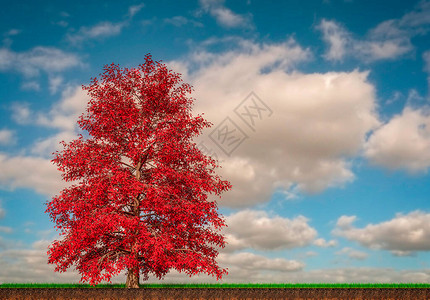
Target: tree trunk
{"x": 132, "y": 279}
{"x": 133, "y": 273}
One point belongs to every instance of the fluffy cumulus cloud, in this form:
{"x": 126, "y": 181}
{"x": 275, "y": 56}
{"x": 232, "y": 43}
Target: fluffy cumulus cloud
{"x": 297, "y": 129}
{"x": 31, "y": 62}
{"x": 323, "y": 243}
{"x": 403, "y": 142}
{"x": 223, "y": 15}
{"x": 254, "y": 229}
{"x": 383, "y": 42}
{"x": 401, "y": 235}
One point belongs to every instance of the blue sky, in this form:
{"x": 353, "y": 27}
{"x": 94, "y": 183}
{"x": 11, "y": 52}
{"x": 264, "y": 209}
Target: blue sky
{"x": 329, "y": 171}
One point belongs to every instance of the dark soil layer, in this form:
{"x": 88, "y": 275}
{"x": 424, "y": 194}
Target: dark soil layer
{"x": 215, "y": 293}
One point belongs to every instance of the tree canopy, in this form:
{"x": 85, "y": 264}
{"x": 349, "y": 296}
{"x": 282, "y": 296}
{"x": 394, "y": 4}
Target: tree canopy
{"x": 139, "y": 186}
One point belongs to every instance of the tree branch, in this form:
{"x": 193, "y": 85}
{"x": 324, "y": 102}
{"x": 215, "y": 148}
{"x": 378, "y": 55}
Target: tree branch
{"x": 127, "y": 165}
{"x": 127, "y": 213}
{"x": 108, "y": 254}
{"x": 124, "y": 250}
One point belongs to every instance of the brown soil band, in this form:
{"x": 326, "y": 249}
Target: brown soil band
{"x": 215, "y": 293}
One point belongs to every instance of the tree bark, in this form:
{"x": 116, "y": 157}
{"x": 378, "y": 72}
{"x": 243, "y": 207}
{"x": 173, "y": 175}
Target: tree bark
{"x": 132, "y": 279}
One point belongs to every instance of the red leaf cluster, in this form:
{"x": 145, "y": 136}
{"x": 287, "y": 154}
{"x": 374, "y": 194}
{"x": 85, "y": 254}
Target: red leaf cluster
{"x": 139, "y": 195}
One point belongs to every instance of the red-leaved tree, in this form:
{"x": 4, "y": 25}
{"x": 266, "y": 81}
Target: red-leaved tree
{"x": 138, "y": 199}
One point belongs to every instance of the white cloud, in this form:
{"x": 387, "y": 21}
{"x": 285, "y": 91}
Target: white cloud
{"x": 387, "y": 29}
{"x": 2, "y": 212}
{"x": 402, "y": 253}
{"x": 388, "y": 40}
{"x": 7, "y": 137}
{"x": 336, "y": 37}
{"x": 318, "y": 120}
{"x": 323, "y": 243}
{"x": 310, "y": 253}
{"x": 7, "y": 40}
{"x": 224, "y": 16}
{"x": 354, "y": 254}
{"x": 31, "y": 265}
{"x": 250, "y": 261}
{"x": 64, "y": 114}
{"x": 21, "y": 113}
{"x": 176, "y": 21}
{"x": 403, "y": 142}
{"x": 227, "y": 18}
{"x": 54, "y": 83}
{"x": 45, "y": 147}
{"x": 134, "y": 9}
{"x": 44, "y": 177}
{"x": 383, "y": 42}
{"x": 414, "y": 99}
{"x": 179, "y": 21}
{"x": 344, "y": 222}
{"x": 12, "y": 32}
{"x": 5, "y": 229}
{"x": 62, "y": 23}
{"x": 419, "y": 18}
{"x": 31, "y": 85}
{"x": 400, "y": 235}
{"x": 101, "y": 30}
{"x": 374, "y": 50}
{"x": 396, "y": 96}
{"x": 31, "y": 62}
{"x": 426, "y": 57}
{"x": 254, "y": 229}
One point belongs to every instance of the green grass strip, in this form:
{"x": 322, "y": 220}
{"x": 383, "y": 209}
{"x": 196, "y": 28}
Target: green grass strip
{"x": 224, "y": 285}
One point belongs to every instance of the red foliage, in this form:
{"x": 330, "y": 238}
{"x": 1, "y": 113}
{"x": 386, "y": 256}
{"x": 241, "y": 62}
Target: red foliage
{"x": 139, "y": 198}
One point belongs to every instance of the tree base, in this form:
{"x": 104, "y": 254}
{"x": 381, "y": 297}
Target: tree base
{"x": 132, "y": 279}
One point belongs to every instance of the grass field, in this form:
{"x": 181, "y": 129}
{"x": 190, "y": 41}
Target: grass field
{"x": 225, "y": 285}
